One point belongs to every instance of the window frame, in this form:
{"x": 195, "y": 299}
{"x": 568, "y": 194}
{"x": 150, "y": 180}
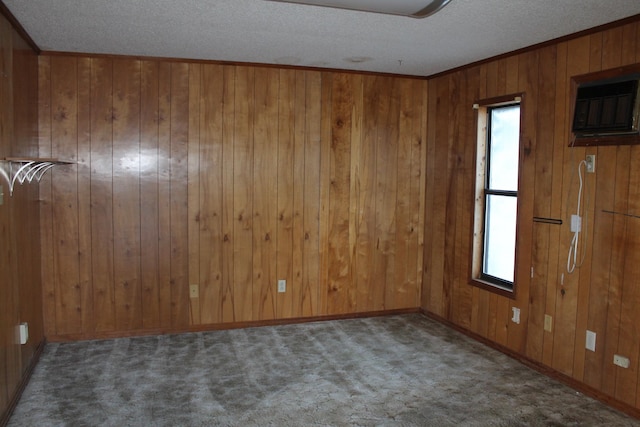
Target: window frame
{"x": 477, "y": 276}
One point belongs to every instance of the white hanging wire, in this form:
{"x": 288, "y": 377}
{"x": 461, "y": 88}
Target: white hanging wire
{"x": 572, "y": 257}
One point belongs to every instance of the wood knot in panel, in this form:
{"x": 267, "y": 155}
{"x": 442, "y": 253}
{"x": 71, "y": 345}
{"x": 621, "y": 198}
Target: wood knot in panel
{"x": 60, "y": 115}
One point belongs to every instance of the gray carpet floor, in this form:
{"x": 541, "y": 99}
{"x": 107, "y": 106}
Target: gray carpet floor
{"x": 387, "y": 371}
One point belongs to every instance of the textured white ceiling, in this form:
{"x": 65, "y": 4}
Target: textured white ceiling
{"x": 261, "y": 31}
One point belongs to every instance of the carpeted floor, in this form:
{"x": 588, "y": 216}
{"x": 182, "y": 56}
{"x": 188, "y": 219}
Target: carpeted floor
{"x": 387, "y": 371}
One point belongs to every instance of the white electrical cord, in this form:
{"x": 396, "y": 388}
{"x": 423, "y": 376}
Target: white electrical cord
{"x": 572, "y": 258}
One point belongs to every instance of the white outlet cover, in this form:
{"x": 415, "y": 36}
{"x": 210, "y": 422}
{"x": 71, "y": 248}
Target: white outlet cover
{"x": 590, "y": 343}
{"x": 516, "y": 315}
{"x": 621, "y": 361}
{"x": 591, "y": 163}
{"x": 23, "y": 333}
{"x": 282, "y": 286}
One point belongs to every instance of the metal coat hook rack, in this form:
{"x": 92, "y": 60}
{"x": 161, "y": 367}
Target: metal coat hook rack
{"x": 26, "y": 169}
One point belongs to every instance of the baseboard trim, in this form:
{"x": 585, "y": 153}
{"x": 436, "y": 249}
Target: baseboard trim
{"x": 4, "y": 420}
{"x": 543, "y": 369}
{"x": 227, "y": 326}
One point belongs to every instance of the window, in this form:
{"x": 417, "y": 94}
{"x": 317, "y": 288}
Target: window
{"x": 496, "y": 200}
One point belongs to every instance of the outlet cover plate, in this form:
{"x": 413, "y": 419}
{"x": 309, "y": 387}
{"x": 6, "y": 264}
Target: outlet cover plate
{"x": 621, "y": 361}
{"x": 194, "y": 291}
{"x": 516, "y": 315}
{"x": 590, "y": 160}
{"x": 282, "y": 286}
{"x": 590, "y": 343}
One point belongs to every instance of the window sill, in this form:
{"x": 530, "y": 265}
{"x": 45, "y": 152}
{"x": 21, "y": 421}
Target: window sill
{"x": 496, "y": 289}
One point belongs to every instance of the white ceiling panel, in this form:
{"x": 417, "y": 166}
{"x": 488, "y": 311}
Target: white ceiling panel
{"x": 260, "y": 31}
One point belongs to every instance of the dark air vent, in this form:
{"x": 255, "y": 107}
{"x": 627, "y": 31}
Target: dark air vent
{"x": 607, "y": 108}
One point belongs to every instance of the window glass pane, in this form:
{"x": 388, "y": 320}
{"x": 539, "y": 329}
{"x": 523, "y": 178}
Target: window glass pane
{"x": 500, "y": 236}
{"x": 504, "y": 141}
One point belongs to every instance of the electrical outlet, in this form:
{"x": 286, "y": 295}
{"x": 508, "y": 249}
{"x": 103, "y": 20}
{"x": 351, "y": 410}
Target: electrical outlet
{"x": 548, "y": 323}
{"x": 23, "y": 333}
{"x": 591, "y": 163}
{"x": 194, "y": 291}
{"x": 590, "y": 341}
{"x": 516, "y": 315}
{"x": 621, "y": 361}
{"x": 282, "y": 285}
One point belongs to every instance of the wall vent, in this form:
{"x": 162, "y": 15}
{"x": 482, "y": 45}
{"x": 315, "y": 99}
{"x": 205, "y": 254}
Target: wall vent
{"x": 607, "y": 107}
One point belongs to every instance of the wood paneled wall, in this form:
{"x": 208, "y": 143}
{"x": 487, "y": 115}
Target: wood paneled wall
{"x": 603, "y": 295}
{"x": 229, "y": 178}
{"x": 20, "y": 282}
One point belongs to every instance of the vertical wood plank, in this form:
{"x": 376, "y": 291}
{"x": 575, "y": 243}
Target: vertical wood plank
{"x": 363, "y": 193}
{"x": 452, "y": 129}
{"x": 419, "y": 168}
{"x": 243, "y": 194}
{"x": 440, "y": 108}
{"x": 193, "y": 191}
{"x": 102, "y": 193}
{"x": 164, "y": 194}
{"x": 46, "y": 207}
{"x": 265, "y": 192}
{"x": 290, "y": 122}
{"x": 386, "y": 182}
{"x": 85, "y": 249}
{"x": 561, "y": 132}
{"x": 64, "y": 125}
{"x": 149, "y": 194}
{"x": 356, "y": 141}
{"x": 212, "y": 167}
{"x": 459, "y": 159}
{"x": 340, "y": 297}
{"x": 126, "y": 194}
{"x": 326, "y": 144}
{"x": 227, "y": 296}
{"x": 313, "y": 145}
{"x": 465, "y": 187}
{"x": 296, "y": 199}
{"x": 542, "y": 199}
{"x": 408, "y": 183}
{"x": 178, "y": 193}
